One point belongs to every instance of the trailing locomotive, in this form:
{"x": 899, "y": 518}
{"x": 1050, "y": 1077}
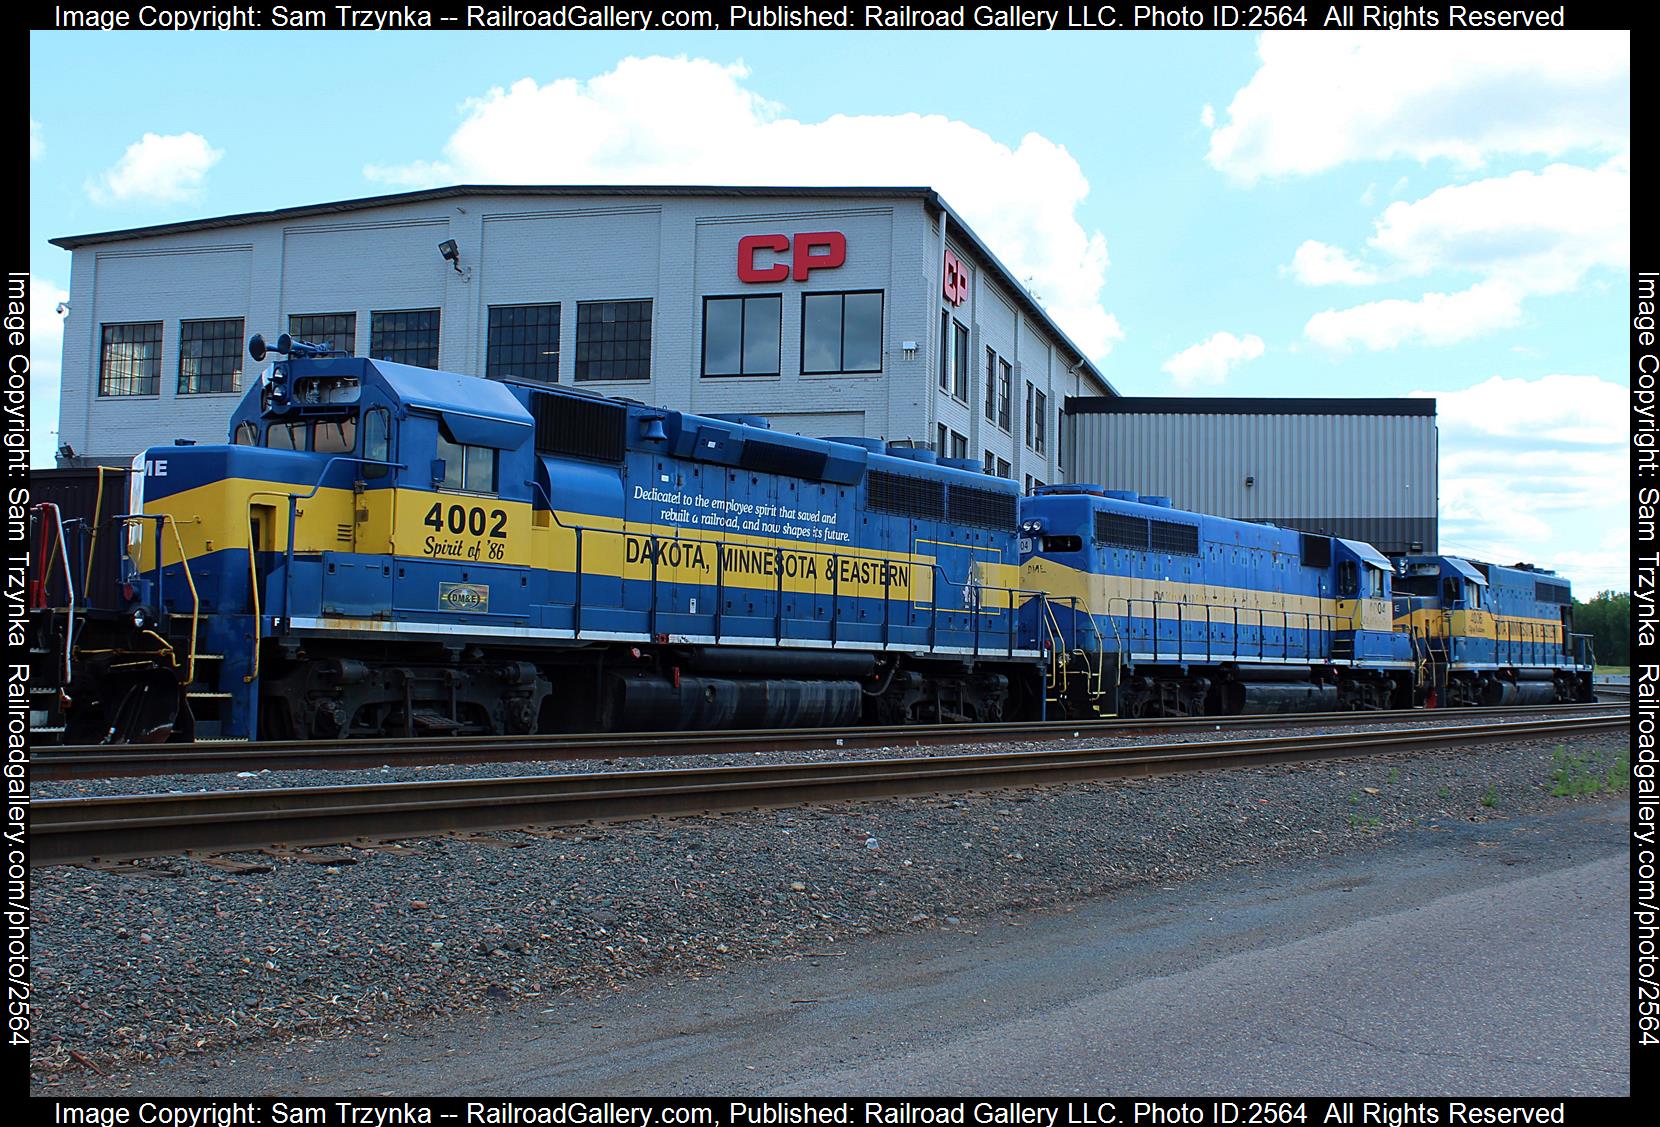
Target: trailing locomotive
{"x": 1494, "y": 635}
{"x": 389, "y": 550}
{"x": 1177, "y": 614}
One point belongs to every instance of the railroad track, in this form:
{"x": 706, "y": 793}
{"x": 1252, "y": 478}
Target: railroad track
{"x": 91, "y": 761}
{"x": 80, "y": 830}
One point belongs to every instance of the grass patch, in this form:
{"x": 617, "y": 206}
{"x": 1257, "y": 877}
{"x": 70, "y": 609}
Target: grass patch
{"x": 1574, "y": 776}
{"x": 1491, "y": 798}
{"x": 1613, "y": 670}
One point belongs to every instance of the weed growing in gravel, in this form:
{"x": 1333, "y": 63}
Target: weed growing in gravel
{"x": 1364, "y": 823}
{"x": 1573, "y": 775}
{"x": 1394, "y": 774}
{"x": 1491, "y": 798}
{"x": 1444, "y": 792}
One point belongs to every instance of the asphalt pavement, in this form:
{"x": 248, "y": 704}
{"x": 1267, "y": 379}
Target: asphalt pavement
{"x": 1470, "y": 959}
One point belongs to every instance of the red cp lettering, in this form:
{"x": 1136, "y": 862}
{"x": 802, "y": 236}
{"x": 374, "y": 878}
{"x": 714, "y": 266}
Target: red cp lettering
{"x": 832, "y": 243}
{"x": 749, "y": 272}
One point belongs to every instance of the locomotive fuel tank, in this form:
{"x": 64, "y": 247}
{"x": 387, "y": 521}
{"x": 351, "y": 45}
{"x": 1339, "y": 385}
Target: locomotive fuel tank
{"x": 648, "y": 702}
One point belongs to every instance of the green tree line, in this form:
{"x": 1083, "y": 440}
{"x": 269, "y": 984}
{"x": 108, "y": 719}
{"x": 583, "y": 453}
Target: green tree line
{"x": 1607, "y": 618}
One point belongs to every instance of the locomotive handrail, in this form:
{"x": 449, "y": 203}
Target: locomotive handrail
{"x": 1327, "y": 624}
{"x": 937, "y": 573}
{"x": 69, "y": 587}
{"x": 170, "y": 521}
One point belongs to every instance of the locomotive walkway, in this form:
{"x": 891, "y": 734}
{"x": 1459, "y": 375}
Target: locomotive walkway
{"x": 79, "y": 830}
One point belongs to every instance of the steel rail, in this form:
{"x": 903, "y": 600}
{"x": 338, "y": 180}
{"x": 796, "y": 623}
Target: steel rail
{"x": 78, "y": 830}
{"x": 93, "y": 761}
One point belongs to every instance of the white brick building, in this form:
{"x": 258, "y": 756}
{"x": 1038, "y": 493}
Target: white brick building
{"x": 872, "y": 312}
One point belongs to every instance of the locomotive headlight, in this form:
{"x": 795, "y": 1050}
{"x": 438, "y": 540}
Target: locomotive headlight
{"x": 141, "y": 619}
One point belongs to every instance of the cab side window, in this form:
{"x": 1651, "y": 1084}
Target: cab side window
{"x": 377, "y": 445}
{"x": 468, "y": 468}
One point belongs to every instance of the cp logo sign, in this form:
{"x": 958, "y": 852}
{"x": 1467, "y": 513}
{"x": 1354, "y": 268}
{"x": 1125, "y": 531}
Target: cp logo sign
{"x": 956, "y": 279}
{"x": 815, "y": 250}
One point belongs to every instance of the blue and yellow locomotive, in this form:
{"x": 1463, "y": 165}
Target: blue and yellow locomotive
{"x": 383, "y": 549}
{"x": 1493, "y": 635}
{"x": 1171, "y": 613}
{"x": 389, "y": 550}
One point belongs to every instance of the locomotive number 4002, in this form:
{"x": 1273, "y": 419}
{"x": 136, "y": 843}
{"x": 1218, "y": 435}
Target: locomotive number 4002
{"x": 470, "y": 519}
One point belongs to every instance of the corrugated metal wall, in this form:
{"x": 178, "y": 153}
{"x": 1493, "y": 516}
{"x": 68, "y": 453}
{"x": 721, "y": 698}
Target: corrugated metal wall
{"x": 1368, "y": 477}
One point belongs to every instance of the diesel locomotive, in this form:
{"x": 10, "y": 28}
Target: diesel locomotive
{"x": 389, "y": 550}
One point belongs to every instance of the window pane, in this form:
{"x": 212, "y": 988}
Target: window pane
{"x": 454, "y": 464}
{"x": 481, "y": 469}
{"x": 722, "y": 327}
{"x": 862, "y": 333}
{"x": 821, "y": 333}
{"x": 523, "y": 343}
{"x": 131, "y": 360}
{"x": 285, "y": 436}
{"x": 375, "y": 446}
{"x": 409, "y": 337}
{"x": 210, "y": 356}
{"x": 335, "y": 436}
{"x": 761, "y": 317}
{"x": 613, "y": 340}
{"x": 247, "y": 434}
{"x": 959, "y": 362}
{"x": 337, "y": 330}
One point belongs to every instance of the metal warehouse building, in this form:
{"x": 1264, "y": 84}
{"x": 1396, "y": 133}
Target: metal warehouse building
{"x": 1364, "y": 469}
{"x": 833, "y": 311}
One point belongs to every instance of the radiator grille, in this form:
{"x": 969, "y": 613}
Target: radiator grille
{"x": 985, "y": 508}
{"x": 579, "y": 428}
{"x": 775, "y": 457}
{"x": 905, "y": 496}
{"x": 1120, "y": 531}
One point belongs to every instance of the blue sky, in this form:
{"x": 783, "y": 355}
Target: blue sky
{"x": 1206, "y": 213}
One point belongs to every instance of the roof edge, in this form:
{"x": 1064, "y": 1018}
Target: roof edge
{"x": 1175, "y": 405}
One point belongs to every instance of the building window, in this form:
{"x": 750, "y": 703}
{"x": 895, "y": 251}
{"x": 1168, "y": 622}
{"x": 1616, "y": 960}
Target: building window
{"x": 959, "y": 445}
{"x": 944, "y": 436}
{"x": 210, "y": 356}
{"x": 1060, "y": 439}
{"x": 130, "y": 363}
{"x": 841, "y": 332}
{"x": 959, "y": 361}
{"x": 945, "y": 351}
{"x": 1005, "y": 384}
{"x": 613, "y": 340}
{"x": 1004, "y": 469}
{"x": 407, "y": 337}
{"x": 1040, "y": 420}
{"x": 337, "y": 330}
{"x": 991, "y": 385}
{"x": 468, "y": 468}
{"x": 522, "y": 343}
{"x": 951, "y": 444}
{"x": 741, "y": 335}
{"x": 991, "y": 462}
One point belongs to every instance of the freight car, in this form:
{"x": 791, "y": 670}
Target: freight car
{"x": 384, "y": 550}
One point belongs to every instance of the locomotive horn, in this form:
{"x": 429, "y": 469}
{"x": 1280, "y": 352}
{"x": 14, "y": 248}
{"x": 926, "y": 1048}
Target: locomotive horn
{"x": 256, "y": 347}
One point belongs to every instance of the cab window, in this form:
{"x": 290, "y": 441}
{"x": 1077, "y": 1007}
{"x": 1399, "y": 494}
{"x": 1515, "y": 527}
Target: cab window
{"x": 335, "y": 436}
{"x": 286, "y": 436}
{"x": 376, "y": 445}
{"x": 468, "y": 468}
{"x": 1472, "y": 592}
{"x": 1374, "y": 583}
{"x": 246, "y": 434}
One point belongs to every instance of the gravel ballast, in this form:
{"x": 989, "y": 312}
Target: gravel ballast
{"x": 182, "y": 958}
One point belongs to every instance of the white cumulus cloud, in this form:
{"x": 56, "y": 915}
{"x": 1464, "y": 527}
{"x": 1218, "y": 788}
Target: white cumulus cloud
{"x": 1434, "y": 319}
{"x": 1536, "y": 470}
{"x": 1525, "y": 234}
{"x": 1317, "y": 264}
{"x": 1319, "y": 101}
{"x": 156, "y": 169}
{"x": 683, "y": 120}
{"x": 45, "y": 369}
{"x": 1210, "y": 361}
